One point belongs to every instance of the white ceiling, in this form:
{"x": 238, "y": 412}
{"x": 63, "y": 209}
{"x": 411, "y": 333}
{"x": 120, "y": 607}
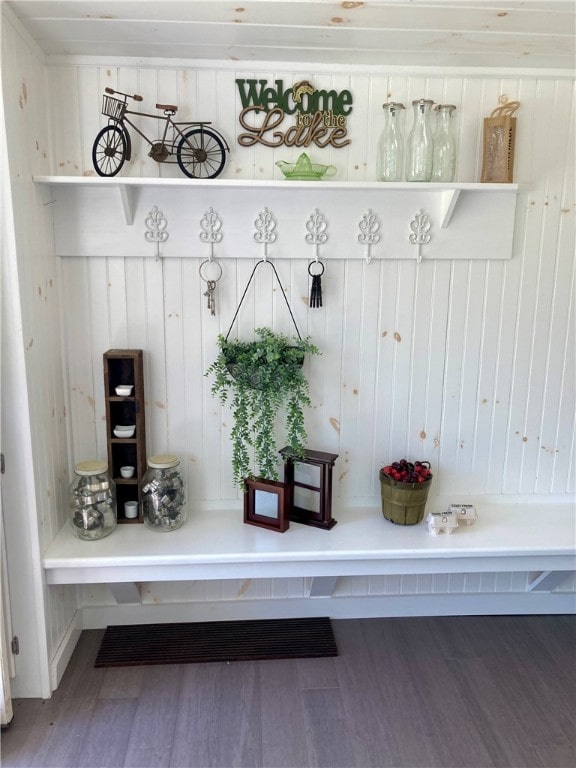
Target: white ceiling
{"x": 463, "y": 33}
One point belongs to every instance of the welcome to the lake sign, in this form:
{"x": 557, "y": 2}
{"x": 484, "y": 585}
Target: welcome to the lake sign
{"x": 320, "y": 115}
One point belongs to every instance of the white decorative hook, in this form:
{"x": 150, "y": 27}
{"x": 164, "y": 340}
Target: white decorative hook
{"x": 420, "y": 226}
{"x": 211, "y": 226}
{"x": 316, "y": 226}
{"x": 156, "y": 231}
{"x": 265, "y": 225}
{"x": 369, "y": 226}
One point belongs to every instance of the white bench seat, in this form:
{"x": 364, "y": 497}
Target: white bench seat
{"x": 518, "y": 536}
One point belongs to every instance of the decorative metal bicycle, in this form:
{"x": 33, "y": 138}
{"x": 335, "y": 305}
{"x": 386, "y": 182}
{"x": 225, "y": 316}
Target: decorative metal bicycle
{"x": 199, "y": 151}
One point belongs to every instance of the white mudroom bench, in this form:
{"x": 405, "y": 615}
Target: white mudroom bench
{"x": 538, "y": 537}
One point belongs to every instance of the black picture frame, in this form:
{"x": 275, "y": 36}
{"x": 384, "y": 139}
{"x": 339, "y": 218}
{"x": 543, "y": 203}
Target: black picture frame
{"x": 266, "y": 504}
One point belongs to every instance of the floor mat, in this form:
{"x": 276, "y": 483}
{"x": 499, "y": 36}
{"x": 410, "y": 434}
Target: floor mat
{"x": 188, "y": 643}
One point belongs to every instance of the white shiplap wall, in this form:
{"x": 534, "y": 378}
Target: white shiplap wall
{"x": 34, "y": 422}
{"x": 468, "y": 364}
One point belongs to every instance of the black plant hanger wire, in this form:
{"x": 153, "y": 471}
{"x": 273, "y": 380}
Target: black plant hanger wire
{"x": 258, "y": 263}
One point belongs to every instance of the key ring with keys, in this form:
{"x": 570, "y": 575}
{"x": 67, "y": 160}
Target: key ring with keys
{"x": 316, "y": 270}
{"x": 318, "y": 265}
{"x": 204, "y": 271}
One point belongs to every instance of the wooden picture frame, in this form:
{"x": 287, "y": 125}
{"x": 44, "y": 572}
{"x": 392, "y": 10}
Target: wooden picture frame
{"x": 266, "y": 504}
{"x": 309, "y": 479}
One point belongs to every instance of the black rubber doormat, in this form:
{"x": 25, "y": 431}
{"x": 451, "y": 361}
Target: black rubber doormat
{"x": 189, "y": 643}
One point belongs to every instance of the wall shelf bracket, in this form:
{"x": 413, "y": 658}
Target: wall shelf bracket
{"x": 546, "y": 581}
{"x": 127, "y": 201}
{"x": 448, "y": 200}
{"x": 126, "y": 593}
{"x": 323, "y": 586}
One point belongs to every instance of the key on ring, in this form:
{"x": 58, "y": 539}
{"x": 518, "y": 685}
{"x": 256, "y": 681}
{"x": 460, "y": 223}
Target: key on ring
{"x": 210, "y": 294}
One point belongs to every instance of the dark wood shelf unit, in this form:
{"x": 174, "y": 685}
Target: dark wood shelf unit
{"x": 126, "y": 366}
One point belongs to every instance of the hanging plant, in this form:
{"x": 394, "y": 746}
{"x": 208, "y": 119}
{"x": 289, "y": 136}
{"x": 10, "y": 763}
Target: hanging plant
{"x": 259, "y": 378}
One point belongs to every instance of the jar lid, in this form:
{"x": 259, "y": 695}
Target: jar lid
{"x": 87, "y": 468}
{"x": 445, "y": 106}
{"x": 393, "y": 104}
{"x": 163, "y": 461}
{"x": 422, "y": 101}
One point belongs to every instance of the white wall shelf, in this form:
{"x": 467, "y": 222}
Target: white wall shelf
{"x": 96, "y": 216}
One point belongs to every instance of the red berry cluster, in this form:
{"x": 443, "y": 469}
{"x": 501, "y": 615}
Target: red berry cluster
{"x": 407, "y": 472}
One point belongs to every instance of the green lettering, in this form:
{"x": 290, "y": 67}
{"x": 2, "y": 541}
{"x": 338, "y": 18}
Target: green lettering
{"x": 269, "y": 97}
{"x": 326, "y": 101}
{"x": 284, "y": 98}
{"x": 254, "y": 96}
{"x": 344, "y": 99}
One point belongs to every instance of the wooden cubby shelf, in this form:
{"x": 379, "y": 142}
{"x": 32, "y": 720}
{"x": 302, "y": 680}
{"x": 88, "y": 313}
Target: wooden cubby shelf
{"x": 125, "y": 366}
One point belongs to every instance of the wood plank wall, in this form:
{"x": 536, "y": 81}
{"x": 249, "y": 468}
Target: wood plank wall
{"x": 35, "y": 485}
{"x": 465, "y": 364}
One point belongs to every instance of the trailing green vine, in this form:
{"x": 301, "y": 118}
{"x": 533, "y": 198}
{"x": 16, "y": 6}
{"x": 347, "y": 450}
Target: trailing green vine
{"x": 260, "y": 377}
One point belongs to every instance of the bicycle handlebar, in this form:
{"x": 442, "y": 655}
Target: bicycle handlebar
{"x": 127, "y": 95}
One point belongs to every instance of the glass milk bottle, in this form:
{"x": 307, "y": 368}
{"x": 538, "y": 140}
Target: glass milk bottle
{"x": 92, "y": 501}
{"x": 420, "y": 146}
{"x": 444, "y": 156}
{"x": 390, "y": 160}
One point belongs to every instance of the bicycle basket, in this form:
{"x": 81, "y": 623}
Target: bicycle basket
{"x": 114, "y": 108}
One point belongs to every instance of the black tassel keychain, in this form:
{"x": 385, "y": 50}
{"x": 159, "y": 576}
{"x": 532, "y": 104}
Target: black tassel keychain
{"x": 316, "y": 290}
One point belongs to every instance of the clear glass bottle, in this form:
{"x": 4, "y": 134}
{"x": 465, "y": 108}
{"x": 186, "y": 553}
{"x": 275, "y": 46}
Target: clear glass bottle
{"x": 390, "y": 160}
{"x": 163, "y": 494}
{"x": 420, "y": 145}
{"x": 444, "y": 156}
{"x": 92, "y": 501}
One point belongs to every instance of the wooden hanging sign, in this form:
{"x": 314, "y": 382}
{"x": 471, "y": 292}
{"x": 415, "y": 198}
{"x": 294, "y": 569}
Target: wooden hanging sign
{"x": 319, "y": 115}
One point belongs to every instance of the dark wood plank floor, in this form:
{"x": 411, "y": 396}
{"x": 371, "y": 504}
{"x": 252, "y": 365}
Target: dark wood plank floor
{"x": 466, "y": 692}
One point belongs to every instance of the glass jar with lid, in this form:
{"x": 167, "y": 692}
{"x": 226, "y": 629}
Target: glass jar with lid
{"x": 92, "y": 501}
{"x": 163, "y": 494}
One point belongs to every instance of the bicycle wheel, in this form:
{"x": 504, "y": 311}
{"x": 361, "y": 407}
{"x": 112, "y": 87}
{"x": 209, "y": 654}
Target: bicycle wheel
{"x": 109, "y": 151}
{"x": 201, "y": 154}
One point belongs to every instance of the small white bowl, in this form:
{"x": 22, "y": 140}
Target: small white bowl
{"x": 127, "y": 471}
{"x": 124, "y": 390}
{"x": 124, "y": 431}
